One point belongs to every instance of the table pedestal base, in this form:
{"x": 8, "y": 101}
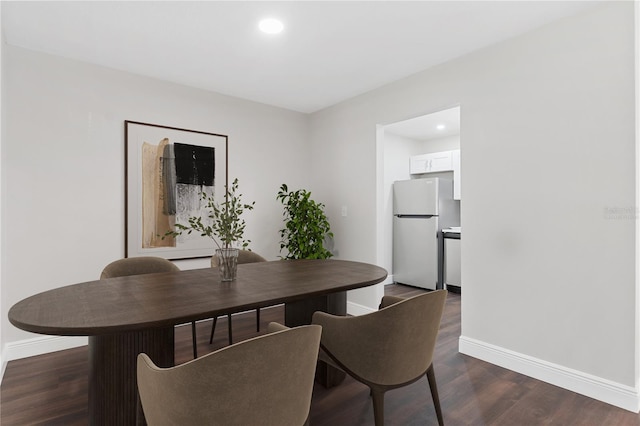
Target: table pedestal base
{"x": 300, "y": 313}
{"x": 113, "y": 390}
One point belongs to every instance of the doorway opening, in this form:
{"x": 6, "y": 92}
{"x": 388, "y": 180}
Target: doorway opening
{"x": 398, "y": 144}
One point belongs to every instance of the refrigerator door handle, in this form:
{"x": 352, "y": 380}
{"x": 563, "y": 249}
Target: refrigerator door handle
{"x": 414, "y": 216}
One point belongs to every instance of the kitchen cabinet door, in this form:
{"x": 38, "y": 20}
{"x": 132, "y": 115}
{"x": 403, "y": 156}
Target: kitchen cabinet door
{"x": 418, "y": 164}
{"x": 440, "y": 162}
{"x": 431, "y": 163}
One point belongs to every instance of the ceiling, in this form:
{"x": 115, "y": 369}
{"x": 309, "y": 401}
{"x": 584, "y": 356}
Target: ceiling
{"x": 329, "y": 51}
{"x": 427, "y": 126}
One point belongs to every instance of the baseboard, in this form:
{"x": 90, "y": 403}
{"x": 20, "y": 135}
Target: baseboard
{"x": 356, "y": 309}
{"x": 604, "y": 390}
{"x": 3, "y": 362}
{"x": 41, "y": 345}
{"x": 45, "y": 344}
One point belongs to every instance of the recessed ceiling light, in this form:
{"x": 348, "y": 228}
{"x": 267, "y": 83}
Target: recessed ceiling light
{"x": 440, "y": 127}
{"x": 270, "y": 26}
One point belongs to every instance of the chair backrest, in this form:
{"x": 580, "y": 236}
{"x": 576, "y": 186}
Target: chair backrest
{"x": 391, "y": 346}
{"x": 244, "y": 256}
{"x": 137, "y": 266}
{"x": 267, "y": 380}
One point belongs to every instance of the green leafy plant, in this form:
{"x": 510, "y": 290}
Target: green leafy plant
{"x": 225, "y": 226}
{"x": 306, "y": 225}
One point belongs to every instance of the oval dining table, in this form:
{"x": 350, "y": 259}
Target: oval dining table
{"x": 125, "y": 316}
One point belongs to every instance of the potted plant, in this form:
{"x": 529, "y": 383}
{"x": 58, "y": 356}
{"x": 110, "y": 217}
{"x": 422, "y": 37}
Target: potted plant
{"x": 306, "y": 225}
{"x": 223, "y": 225}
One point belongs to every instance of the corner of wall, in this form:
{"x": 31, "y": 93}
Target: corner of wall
{"x": 637, "y": 245}
{"x": 2, "y": 343}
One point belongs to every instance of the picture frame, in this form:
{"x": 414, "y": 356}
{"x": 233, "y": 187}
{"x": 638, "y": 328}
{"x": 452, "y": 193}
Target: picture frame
{"x": 167, "y": 169}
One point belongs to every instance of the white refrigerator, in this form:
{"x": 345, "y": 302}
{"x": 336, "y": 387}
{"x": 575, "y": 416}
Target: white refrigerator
{"x": 421, "y": 209}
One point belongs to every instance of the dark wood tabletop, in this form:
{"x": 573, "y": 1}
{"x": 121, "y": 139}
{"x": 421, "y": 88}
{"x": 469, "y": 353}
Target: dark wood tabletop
{"x": 142, "y": 302}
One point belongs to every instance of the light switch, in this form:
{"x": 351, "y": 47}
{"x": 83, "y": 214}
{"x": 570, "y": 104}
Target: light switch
{"x": 344, "y": 211}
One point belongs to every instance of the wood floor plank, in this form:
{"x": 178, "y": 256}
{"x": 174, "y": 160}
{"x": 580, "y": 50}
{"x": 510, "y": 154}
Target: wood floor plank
{"x": 52, "y": 389}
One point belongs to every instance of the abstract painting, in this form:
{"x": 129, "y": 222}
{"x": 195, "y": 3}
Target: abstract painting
{"x": 167, "y": 171}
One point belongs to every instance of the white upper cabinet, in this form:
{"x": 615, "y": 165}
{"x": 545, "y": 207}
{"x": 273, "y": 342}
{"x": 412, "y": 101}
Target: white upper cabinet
{"x": 430, "y": 163}
{"x": 444, "y": 161}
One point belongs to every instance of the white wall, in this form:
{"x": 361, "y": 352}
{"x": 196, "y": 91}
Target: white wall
{"x": 63, "y": 165}
{"x": 637, "y": 67}
{"x": 548, "y": 148}
{"x": 447, "y": 143}
{"x": 548, "y": 141}
{"x": 2, "y": 128}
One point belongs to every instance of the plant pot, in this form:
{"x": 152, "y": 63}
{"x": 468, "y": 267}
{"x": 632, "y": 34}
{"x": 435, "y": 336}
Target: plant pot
{"x": 227, "y": 263}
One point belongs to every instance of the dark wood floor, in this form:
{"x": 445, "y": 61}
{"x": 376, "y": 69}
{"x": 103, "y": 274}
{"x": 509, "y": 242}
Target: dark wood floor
{"x": 51, "y": 389}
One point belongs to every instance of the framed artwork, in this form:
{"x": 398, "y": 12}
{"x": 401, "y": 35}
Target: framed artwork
{"x": 167, "y": 170}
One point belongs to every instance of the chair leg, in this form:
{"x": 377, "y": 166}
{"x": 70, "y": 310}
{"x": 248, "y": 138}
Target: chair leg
{"x": 434, "y": 394}
{"x": 378, "y": 406}
{"x": 193, "y": 338}
{"x": 258, "y": 320}
{"x": 230, "y": 333}
{"x": 213, "y": 329}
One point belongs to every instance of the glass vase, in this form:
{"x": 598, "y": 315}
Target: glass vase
{"x": 227, "y": 263}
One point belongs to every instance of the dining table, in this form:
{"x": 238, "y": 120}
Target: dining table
{"x": 125, "y": 316}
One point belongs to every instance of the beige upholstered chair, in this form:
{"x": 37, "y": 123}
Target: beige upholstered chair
{"x": 267, "y": 380}
{"x": 145, "y": 265}
{"x": 137, "y": 266}
{"x": 244, "y": 256}
{"x": 387, "y": 349}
